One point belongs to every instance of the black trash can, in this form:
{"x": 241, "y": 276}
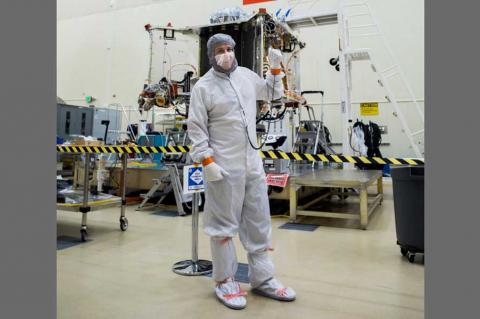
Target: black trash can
{"x": 408, "y": 198}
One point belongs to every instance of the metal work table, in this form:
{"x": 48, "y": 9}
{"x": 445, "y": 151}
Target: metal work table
{"x": 91, "y": 205}
{"x": 337, "y": 178}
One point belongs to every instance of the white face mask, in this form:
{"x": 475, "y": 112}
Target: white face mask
{"x": 225, "y": 60}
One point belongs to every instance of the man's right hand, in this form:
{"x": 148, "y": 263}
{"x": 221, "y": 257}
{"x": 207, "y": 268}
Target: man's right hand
{"x": 213, "y": 172}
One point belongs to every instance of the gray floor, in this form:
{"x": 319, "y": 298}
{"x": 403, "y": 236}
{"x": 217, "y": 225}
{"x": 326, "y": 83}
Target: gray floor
{"x": 337, "y": 270}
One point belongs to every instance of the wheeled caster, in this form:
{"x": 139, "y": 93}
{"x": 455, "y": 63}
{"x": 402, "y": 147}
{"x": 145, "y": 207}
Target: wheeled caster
{"x": 411, "y": 257}
{"x": 123, "y": 223}
{"x": 83, "y": 234}
{"x": 403, "y": 251}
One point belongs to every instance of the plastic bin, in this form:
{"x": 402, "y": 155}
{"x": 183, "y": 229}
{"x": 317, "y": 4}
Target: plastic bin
{"x": 408, "y": 198}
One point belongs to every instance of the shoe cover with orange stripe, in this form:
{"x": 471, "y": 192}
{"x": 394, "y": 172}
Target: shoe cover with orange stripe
{"x": 272, "y": 288}
{"x": 231, "y": 295}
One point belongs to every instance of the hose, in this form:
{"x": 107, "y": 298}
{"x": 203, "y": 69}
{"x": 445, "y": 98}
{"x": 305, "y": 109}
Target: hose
{"x": 269, "y": 122}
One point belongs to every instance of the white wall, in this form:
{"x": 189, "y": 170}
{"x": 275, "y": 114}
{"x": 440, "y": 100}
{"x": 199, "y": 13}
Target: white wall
{"x": 102, "y": 50}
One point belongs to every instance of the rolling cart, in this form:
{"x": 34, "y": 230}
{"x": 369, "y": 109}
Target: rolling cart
{"x": 91, "y": 203}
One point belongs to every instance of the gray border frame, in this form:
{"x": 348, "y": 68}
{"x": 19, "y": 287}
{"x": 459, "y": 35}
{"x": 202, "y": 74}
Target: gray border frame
{"x": 27, "y": 160}
{"x": 27, "y": 164}
{"x": 452, "y": 215}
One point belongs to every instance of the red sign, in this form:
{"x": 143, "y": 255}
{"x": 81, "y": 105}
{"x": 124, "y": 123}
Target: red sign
{"x": 279, "y": 180}
{"x": 255, "y": 1}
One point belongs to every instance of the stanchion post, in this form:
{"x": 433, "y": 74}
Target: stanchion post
{"x": 195, "y": 227}
{"x": 194, "y": 266}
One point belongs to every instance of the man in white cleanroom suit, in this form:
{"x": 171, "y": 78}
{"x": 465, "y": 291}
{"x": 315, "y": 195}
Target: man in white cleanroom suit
{"x": 222, "y": 127}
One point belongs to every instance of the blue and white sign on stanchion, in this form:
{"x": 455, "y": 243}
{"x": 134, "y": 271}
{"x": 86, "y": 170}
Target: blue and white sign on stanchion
{"x": 193, "y": 179}
{"x": 193, "y": 184}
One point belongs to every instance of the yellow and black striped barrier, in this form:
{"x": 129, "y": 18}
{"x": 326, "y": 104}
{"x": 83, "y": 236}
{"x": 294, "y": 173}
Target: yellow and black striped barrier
{"x": 123, "y": 149}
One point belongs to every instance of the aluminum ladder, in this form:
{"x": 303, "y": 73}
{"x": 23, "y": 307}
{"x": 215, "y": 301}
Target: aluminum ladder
{"x": 347, "y": 11}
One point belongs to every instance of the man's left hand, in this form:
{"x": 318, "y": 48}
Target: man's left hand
{"x": 275, "y": 58}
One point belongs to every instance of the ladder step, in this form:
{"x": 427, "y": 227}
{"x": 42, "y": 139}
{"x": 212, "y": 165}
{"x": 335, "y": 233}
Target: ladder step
{"x": 418, "y": 132}
{"x": 358, "y": 15}
{"x": 389, "y": 69}
{"x": 365, "y": 35}
{"x": 390, "y": 75}
{"x": 355, "y": 4}
{"x": 362, "y": 26}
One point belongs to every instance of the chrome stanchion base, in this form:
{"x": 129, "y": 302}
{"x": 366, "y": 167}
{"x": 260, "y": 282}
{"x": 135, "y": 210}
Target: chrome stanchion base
{"x": 192, "y": 268}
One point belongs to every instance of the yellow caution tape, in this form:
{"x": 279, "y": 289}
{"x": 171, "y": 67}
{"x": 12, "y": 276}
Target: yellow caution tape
{"x": 121, "y": 149}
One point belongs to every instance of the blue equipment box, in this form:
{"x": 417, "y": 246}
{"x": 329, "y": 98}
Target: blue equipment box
{"x": 154, "y": 140}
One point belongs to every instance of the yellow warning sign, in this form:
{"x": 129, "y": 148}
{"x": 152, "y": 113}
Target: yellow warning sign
{"x": 369, "y": 109}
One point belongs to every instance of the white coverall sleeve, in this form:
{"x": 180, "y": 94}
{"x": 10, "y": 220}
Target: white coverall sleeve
{"x": 197, "y": 127}
{"x": 265, "y": 87}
